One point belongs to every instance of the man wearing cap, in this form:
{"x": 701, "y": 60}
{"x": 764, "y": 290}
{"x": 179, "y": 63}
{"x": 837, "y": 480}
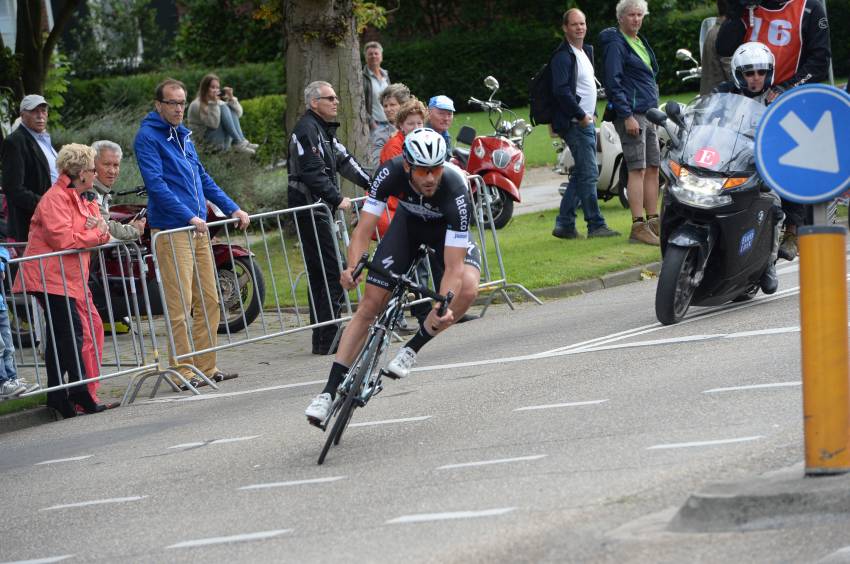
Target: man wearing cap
{"x": 29, "y": 165}
{"x": 441, "y": 112}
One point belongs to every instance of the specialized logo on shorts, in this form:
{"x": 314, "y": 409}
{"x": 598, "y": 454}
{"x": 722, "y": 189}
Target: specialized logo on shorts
{"x": 388, "y": 262}
{"x": 747, "y": 242}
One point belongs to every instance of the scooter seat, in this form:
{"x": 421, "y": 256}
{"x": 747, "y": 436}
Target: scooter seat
{"x": 461, "y": 154}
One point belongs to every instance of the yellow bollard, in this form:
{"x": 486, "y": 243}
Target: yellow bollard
{"x": 823, "y": 330}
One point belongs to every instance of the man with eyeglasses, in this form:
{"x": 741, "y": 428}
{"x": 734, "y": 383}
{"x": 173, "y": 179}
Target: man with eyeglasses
{"x": 434, "y": 209}
{"x": 315, "y": 158}
{"x": 178, "y": 188}
{"x": 29, "y": 165}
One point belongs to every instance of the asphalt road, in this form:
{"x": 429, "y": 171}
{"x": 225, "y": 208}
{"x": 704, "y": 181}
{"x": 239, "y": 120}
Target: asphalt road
{"x": 556, "y": 433}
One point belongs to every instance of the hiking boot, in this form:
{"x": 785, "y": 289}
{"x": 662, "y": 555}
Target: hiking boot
{"x": 654, "y": 224}
{"x": 769, "y": 281}
{"x": 603, "y": 231}
{"x": 642, "y": 234}
{"x": 400, "y": 366}
{"x": 317, "y": 411}
{"x": 788, "y": 246}
{"x": 564, "y": 233}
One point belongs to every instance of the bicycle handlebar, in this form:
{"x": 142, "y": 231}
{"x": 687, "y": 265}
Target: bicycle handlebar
{"x": 140, "y": 190}
{"x": 364, "y": 262}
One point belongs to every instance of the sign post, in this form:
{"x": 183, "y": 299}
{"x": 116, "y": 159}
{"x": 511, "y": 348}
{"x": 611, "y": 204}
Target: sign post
{"x": 803, "y": 153}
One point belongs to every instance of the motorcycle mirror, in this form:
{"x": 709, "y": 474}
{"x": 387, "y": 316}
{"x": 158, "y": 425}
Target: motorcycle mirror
{"x": 674, "y": 112}
{"x": 685, "y": 55}
{"x": 466, "y": 135}
{"x": 656, "y": 116}
{"x": 491, "y": 83}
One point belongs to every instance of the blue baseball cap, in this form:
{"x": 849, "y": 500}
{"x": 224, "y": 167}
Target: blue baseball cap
{"x": 442, "y": 102}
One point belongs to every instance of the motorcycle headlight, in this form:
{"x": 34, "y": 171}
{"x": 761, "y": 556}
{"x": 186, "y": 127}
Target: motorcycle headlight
{"x": 699, "y": 191}
{"x": 518, "y": 128}
{"x": 501, "y": 158}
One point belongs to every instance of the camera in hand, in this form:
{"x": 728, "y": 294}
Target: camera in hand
{"x": 221, "y": 94}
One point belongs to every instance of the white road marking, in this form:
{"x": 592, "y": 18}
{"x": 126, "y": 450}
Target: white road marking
{"x": 216, "y": 395}
{"x": 58, "y": 460}
{"x": 495, "y": 461}
{"x": 95, "y": 502}
{"x": 705, "y": 443}
{"x": 292, "y": 483}
{"x": 389, "y": 421}
{"x": 555, "y": 405}
{"x": 234, "y": 538}
{"x": 423, "y": 517}
{"x": 215, "y": 442}
{"x": 754, "y": 387}
{"x": 46, "y": 560}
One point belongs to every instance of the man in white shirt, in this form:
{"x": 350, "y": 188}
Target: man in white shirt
{"x": 375, "y": 80}
{"x": 574, "y": 90}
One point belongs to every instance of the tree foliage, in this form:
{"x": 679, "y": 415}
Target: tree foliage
{"x": 31, "y": 44}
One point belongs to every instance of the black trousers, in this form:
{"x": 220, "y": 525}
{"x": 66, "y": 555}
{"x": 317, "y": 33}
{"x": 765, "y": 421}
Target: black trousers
{"x": 324, "y": 299}
{"x": 64, "y": 345}
{"x": 795, "y": 214}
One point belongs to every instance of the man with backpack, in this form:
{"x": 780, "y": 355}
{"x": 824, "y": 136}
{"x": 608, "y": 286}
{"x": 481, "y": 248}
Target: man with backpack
{"x": 573, "y": 108}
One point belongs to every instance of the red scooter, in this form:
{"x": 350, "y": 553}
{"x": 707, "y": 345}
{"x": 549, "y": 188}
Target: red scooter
{"x": 239, "y": 277}
{"x": 498, "y": 157}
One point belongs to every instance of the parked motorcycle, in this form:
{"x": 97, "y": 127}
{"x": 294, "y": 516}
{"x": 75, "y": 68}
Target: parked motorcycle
{"x": 718, "y": 225}
{"x": 498, "y": 157}
{"x": 240, "y": 279}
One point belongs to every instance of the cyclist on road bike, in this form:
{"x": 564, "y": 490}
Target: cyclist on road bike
{"x": 434, "y": 209}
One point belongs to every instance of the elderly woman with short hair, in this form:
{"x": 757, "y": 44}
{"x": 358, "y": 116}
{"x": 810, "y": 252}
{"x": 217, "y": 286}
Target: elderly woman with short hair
{"x": 393, "y": 97}
{"x": 67, "y": 217}
{"x": 630, "y": 70}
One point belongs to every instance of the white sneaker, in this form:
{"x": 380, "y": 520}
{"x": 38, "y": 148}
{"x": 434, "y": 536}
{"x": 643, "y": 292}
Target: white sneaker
{"x": 29, "y": 387}
{"x": 317, "y": 411}
{"x": 243, "y": 147}
{"x": 11, "y": 388}
{"x": 400, "y": 366}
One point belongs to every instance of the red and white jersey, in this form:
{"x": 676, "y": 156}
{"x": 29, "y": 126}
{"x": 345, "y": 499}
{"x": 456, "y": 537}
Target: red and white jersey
{"x": 782, "y": 31}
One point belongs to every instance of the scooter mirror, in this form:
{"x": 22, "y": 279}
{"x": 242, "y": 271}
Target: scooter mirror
{"x": 684, "y": 55}
{"x": 466, "y": 135}
{"x": 491, "y": 83}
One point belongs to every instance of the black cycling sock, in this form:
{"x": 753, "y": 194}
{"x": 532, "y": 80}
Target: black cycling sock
{"x": 638, "y": 219}
{"x": 651, "y": 216}
{"x": 335, "y": 378}
{"x": 419, "y": 339}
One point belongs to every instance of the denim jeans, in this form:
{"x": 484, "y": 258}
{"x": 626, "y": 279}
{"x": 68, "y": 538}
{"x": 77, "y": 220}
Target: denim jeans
{"x": 581, "y": 189}
{"x": 229, "y": 131}
{"x": 7, "y": 357}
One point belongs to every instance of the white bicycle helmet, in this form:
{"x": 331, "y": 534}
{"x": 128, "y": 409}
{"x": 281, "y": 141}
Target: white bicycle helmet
{"x": 752, "y": 56}
{"x": 424, "y": 147}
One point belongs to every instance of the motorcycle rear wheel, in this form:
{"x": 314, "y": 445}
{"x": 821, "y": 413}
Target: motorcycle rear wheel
{"x": 240, "y": 282}
{"x": 676, "y": 286}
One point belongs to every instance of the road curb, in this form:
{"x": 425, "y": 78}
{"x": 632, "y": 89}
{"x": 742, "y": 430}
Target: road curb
{"x": 760, "y": 501}
{"x": 635, "y": 274}
{"x": 24, "y": 419}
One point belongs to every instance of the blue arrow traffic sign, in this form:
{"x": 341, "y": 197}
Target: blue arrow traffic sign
{"x": 803, "y": 144}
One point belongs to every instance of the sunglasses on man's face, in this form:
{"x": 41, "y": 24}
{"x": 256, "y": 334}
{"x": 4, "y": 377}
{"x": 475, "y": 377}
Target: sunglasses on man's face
{"x": 760, "y": 72}
{"x": 423, "y": 172}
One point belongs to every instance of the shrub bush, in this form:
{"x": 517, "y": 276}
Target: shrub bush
{"x": 100, "y": 95}
{"x": 263, "y": 123}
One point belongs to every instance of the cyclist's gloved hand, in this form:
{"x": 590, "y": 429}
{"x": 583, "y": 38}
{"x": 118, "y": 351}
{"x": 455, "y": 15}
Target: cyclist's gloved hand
{"x": 346, "y": 281}
{"x": 439, "y": 323}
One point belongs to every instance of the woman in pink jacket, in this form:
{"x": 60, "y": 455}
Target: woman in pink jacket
{"x": 66, "y": 218}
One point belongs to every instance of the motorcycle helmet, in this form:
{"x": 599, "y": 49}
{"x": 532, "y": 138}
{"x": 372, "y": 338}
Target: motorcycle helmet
{"x": 424, "y": 147}
{"x": 752, "y": 56}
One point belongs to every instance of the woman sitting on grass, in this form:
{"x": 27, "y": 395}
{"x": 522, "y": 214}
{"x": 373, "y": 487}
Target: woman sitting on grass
{"x": 214, "y": 116}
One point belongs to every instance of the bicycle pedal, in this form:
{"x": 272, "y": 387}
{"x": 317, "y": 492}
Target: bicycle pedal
{"x": 378, "y": 389}
{"x": 389, "y": 375}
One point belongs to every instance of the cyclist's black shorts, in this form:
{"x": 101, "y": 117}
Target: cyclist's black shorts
{"x": 400, "y": 244}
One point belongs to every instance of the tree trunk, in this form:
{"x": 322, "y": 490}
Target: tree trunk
{"x": 35, "y": 50}
{"x": 321, "y": 43}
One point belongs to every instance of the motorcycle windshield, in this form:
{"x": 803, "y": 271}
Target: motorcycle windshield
{"x": 720, "y": 134}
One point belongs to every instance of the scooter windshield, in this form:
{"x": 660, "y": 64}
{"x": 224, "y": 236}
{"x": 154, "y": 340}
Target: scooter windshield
{"x": 720, "y": 132}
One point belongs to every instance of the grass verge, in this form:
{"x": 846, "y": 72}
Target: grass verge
{"x": 11, "y": 406}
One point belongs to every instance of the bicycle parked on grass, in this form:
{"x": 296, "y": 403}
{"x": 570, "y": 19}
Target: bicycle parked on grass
{"x": 363, "y": 380}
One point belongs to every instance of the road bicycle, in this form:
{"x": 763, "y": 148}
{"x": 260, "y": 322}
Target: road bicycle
{"x": 363, "y": 380}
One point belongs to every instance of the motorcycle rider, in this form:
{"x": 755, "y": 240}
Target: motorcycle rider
{"x": 753, "y": 68}
{"x": 797, "y": 33}
{"x": 434, "y": 209}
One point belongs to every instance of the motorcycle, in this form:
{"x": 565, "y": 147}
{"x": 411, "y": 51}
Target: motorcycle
{"x": 498, "y": 157}
{"x": 719, "y": 223}
{"x": 240, "y": 278}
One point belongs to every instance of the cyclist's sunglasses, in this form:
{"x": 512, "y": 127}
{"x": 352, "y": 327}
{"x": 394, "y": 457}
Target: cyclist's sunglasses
{"x": 422, "y": 171}
{"x": 761, "y": 72}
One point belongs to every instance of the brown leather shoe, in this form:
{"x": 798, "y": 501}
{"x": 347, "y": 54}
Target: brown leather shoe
{"x": 642, "y": 234}
{"x": 654, "y": 225}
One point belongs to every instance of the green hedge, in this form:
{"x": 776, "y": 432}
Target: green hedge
{"x": 101, "y": 95}
{"x": 262, "y": 123}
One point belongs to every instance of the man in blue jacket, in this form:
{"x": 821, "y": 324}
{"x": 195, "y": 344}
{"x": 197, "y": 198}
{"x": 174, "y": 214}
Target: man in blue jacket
{"x": 630, "y": 70}
{"x": 178, "y": 188}
{"x": 574, "y": 90}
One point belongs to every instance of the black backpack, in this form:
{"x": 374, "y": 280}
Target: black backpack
{"x": 541, "y": 101}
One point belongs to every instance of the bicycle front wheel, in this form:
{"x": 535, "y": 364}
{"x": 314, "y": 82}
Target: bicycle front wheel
{"x": 370, "y": 360}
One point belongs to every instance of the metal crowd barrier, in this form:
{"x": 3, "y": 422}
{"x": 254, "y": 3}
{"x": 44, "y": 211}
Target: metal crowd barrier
{"x": 115, "y": 293}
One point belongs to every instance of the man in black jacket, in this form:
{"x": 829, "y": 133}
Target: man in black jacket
{"x": 574, "y": 90}
{"x": 797, "y": 32}
{"x": 315, "y": 159}
{"x": 29, "y": 165}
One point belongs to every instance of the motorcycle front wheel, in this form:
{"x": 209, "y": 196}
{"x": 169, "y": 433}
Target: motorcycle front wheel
{"x": 676, "y": 285}
{"x": 242, "y": 288}
{"x": 502, "y": 207}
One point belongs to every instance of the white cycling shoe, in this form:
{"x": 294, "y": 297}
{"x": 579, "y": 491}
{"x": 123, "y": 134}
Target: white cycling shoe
{"x": 400, "y": 366}
{"x": 317, "y": 411}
